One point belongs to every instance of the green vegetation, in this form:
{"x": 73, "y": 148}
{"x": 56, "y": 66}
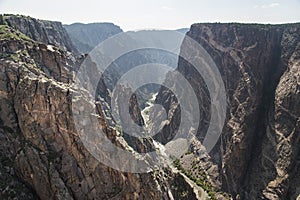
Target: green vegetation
{"x": 118, "y": 128}
{"x": 116, "y": 190}
{"x": 200, "y": 181}
{"x": 8, "y": 33}
{"x": 188, "y": 152}
{"x": 1, "y": 19}
{"x": 146, "y": 112}
{"x": 15, "y": 56}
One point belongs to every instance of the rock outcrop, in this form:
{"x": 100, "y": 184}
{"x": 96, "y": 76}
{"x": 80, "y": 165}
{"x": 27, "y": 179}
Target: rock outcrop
{"x": 257, "y": 155}
{"x": 42, "y": 156}
{"x": 43, "y": 31}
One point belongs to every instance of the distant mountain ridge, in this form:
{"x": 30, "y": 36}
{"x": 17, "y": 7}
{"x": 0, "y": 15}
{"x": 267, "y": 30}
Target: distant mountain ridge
{"x": 86, "y": 36}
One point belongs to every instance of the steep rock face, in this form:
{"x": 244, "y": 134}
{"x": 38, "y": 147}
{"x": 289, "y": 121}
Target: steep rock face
{"x": 86, "y": 36}
{"x": 257, "y": 154}
{"x": 47, "y": 32}
{"x": 42, "y": 156}
{"x": 273, "y": 171}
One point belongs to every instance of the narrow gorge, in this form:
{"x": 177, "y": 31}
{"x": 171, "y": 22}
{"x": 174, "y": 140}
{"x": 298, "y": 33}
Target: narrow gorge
{"x": 43, "y": 157}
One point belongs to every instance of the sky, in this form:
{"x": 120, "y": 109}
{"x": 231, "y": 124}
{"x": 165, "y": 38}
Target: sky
{"x": 156, "y": 14}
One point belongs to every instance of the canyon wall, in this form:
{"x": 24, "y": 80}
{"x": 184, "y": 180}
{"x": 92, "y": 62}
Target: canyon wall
{"x": 42, "y": 155}
{"x": 257, "y": 155}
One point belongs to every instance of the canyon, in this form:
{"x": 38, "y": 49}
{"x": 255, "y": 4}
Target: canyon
{"x": 43, "y": 157}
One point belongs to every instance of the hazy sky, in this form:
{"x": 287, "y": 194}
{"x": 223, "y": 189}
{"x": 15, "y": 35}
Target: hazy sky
{"x": 157, "y": 14}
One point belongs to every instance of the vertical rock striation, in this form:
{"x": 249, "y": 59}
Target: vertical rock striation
{"x": 42, "y": 156}
{"x": 258, "y": 153}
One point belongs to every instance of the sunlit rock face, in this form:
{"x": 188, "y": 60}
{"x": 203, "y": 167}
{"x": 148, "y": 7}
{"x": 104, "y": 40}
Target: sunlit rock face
{"x": 44, "y": 31}
{"x": 42, "y": 156}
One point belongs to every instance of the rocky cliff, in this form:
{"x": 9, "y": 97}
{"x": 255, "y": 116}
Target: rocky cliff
{"x": 43, "y": 31}
{"x": 257, "y": 155}
{"x": 42, "y": 156}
